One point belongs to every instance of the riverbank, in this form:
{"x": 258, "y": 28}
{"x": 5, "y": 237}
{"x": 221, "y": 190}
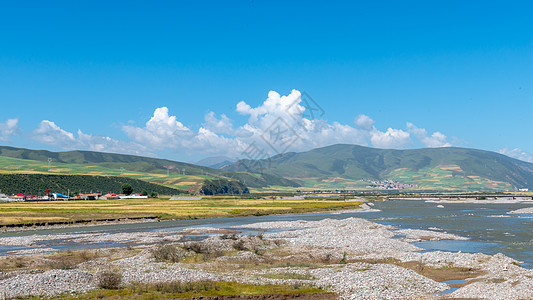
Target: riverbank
{"x": 352, "y": 257}
{"x": 472, "y": 200}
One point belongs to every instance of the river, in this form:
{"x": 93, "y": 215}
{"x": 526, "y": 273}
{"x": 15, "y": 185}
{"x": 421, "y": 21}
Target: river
{"x": 490, "y": 229}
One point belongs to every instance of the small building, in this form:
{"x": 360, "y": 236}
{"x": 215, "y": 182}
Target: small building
{"x": 58, "y": 196}
{"x": 6, "y": 198}
{"x": 93, "y": 196}
{"x": 110, "y": 196}
{"x": 133, "y": 196}
{"x": 24, "y": 197}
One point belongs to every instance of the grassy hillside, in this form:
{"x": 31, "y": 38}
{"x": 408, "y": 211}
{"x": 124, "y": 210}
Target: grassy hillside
{"x": 24, "y": 166}
{"x": 107, "y": 160}
{"x": 149, "y": 169}
{"x": 431, "y": 168}
{"x": 38, "y": 183}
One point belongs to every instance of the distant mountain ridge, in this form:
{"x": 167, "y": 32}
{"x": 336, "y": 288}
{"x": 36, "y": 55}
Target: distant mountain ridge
{"x": 216, "y": 162}
{"x": 333, "y": 167}
{"x": 441, "y": 168}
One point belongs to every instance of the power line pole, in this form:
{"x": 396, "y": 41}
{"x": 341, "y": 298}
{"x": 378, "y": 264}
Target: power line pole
{"x": 49, "y": 164}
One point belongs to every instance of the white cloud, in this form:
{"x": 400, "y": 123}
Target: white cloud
{"x": 392, "y": 138}
{"x": 435, "y": 140}
{"x": 165, "y": 131}
{"x": 50, "y": 133}
{"x": 364, "y": 122}
{"x": 301, "y": 133}
{"x": 273, "y": 107}
{"x": 8, "y": 129}
{"x": 517, "y": 153}
{"x": 279, "y": 124}
{"x": 159, "y": 131}
{"x": 223, "y": 125}
{"x": 276, "y": 125}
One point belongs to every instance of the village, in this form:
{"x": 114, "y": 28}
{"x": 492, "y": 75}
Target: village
{"x": 48, "y": 196}
{"x": 390, "y": 185}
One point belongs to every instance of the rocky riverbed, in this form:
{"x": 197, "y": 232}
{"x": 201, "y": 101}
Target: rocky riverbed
{"x": 354, "y": 258}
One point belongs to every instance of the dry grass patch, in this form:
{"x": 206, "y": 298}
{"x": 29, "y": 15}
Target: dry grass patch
{"x": 68, "y": 259}
{"x": 289, "y": 275}
{"x": 439, "y": 274}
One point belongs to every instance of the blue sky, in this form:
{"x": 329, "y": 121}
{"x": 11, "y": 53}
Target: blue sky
{"x": 165, "y": 78}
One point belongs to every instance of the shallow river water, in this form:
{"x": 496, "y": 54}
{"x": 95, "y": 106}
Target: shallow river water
{"x": 490, "y": 229}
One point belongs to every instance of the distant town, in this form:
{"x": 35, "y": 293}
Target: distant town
{"x": 389, "y": 185}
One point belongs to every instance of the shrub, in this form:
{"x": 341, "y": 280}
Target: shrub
{"x": 228, "y": 236}
{"x": 63, "y": 264}
{"x": 240, "y": 246}
{"x": 197, "y": 247}
{"x": 109, "y": 279}
{"x": 168, "y": 253}
{"x": 344, "y": 260}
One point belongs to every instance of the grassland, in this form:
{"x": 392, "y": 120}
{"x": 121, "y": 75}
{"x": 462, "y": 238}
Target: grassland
{"x": 207, "y": 207}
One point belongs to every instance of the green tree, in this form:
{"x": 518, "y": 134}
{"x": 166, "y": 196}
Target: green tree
{"x": 153, "y": 194}
{"x": 127, "y": 189}
{"x": 144, "y": 193}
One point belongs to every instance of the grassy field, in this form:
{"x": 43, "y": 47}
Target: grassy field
{"x": 207, "y": 207}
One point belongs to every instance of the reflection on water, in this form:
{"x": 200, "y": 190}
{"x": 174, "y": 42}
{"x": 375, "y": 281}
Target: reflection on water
{"x": 489, "y": 227}
{"x": 451, "y": 290}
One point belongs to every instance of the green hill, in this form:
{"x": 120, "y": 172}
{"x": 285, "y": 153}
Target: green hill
{"x": 183, "y": 175}
{"x": 346, "y": 166}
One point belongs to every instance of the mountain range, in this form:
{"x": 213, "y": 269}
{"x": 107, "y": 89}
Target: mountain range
{"x": 133, "y": 163}
{"x": 338, "y": 166}
{"x": 353, "y": 166}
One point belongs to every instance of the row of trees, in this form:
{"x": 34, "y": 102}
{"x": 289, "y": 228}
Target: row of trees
{"x": 223, "y": 186}
{"x": 37, "y": 183}
{"x": 127, "y": 189}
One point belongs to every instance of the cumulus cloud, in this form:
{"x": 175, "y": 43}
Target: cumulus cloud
{"x": 285, "y": 115}
{"x": 8, "y": 128}
{"x": 162, "y": 129}
{"x": 279, "y": 124}
{"x": 223, "y": 125}
{"x": 50, "y": 133}
{"x": 165, "y": 131}
{"x": 517, "y": 153}
{"x": 392, "y": 138}
{"x": 364, "y": 122}
{"x": 274, "y": 106}
{"x": 434, "y": 140}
